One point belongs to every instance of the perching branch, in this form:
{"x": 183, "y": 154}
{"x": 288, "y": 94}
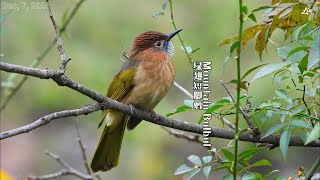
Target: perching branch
{"x": 107, "y": 103}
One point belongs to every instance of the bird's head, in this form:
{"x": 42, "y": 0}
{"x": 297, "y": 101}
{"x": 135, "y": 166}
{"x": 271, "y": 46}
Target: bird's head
{"x": 154, "y": 41}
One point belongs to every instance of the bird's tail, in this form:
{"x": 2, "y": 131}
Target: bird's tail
{"x": 107, "y": 152}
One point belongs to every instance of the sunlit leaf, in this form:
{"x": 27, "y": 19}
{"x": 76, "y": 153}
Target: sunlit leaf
{"x": 314, "y": 56}
{"x": 206, "y": 170}
{"x": 182, "y": 169}
{"x": 297, "y": 17}
{"x": 191, "y": 173}
{"x": 273, "y": 130}
{"x": 261, "y": 41}
{"x": 250, "y": 32}
{"x": 206, "y": 159}
{"x": 314, "y": 134}
{"x": 299, "y": 123}
{"x": 269, "y": 69}
{"x": 228, "y": 40}
{"x": 284, "y": 142}
{"x": 195, "y": 160}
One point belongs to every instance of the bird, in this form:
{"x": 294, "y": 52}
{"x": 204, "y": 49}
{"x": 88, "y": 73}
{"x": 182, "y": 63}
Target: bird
{"x": 142, "y": 82}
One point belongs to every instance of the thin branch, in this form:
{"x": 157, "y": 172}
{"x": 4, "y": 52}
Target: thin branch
{"x": 245, "y": 115}
{"x": 183, "y": 90}
{"x": 48, "y": 118}
{"x": 67, "y": 171}
{"x": 179, "y": 36}
{"x": 83, "y": 149}
{"x": 304, "y": 102}
{"x": 237, "y": 102}
{"x": 39, "y": 59}
{"x": 107, "y": 103}
{"x": 313, "y": 169}
{"x": 180, "y": 134}
{"x": 63, "y": 56}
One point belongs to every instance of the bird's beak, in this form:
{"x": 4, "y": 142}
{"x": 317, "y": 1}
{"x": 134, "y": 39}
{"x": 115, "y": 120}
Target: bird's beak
{"x": 171, "y": 35}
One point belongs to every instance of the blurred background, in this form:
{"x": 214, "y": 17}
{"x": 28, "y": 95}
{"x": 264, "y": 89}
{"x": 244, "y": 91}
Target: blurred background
{"x": 95, "y": 39}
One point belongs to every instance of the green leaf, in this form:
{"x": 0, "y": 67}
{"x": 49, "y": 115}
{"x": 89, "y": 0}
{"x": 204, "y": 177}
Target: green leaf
{"x": 282, "y": 94}
{"x": 251, "y": 70}
{"x": 273, "y": 130}
{"x": 314, "y": 134}
{"x": 252, "y": 17}
{"x": 269, "y": 69}
{"x": 297, "y": 49}
{"x": 206, "y": 170}
{"x": 303, "y": 31}
{"x": 182, "y": 169}
{"x": 234, "y": 46}
{"x": 245, "y": 9}
{"x": 278, "y": 77}
{"x": 227, "y": 154}
{"x": 269, "y": 104}
{"x": 242, "y": 84}
{"x": 269, "y": 174}
{"x": 161, "y": 13}
{"x": 215, "y": 106}
{"x": 206, "y": 159}
{"x": 300, "y": 124}
{"x": 262, "y": 8}
{"x": 179, "y": 110}
{"x": 195, "y": 160}
{"x": 249, "y": 176}
{"x": 190, "y": 174}
{"x": 262, "y": 162}
{"x": 303, "y": 64}
{"x": 284, "y": 51}
{"x": 248, "y": 152}
{"x": 314, "y": 55}
{"x": 227, "y": 177}
{"x": 284, "y": 142}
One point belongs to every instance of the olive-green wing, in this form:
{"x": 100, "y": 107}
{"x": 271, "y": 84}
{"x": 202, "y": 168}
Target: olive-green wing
{"x": 121, "y": 85}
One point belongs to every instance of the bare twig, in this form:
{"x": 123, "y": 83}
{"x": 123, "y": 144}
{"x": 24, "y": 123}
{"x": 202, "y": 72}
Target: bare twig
{"x": 39, "y": 59}
{"x": 63, "y": 56}
{"x": 67, "y": 171}
{"x": 179, "y": 36}
{"x": 48, "y": 118}
{"x": 107, "y": 103}
{"x": 183, "y": 90}
{"x": 304, "y": 102}
{"x": 182, "y": 135}
{"x": 245, "y": 115}
{"x": 83, "y": 149}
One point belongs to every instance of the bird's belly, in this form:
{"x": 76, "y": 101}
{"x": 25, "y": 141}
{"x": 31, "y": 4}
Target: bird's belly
{"x": 151, "y": 86}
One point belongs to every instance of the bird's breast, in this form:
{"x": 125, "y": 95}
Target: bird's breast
{"x": 154, "y": 77}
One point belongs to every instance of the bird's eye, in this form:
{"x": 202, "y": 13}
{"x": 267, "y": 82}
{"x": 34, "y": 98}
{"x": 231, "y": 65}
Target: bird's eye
{"x": 158, "y": 44}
